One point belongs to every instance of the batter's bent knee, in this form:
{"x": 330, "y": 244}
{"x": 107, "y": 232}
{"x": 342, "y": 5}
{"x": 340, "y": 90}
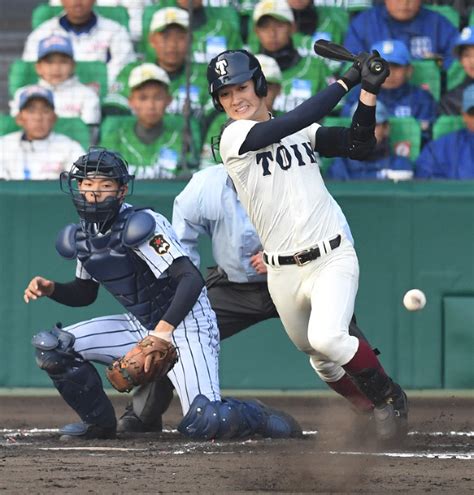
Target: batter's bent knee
{"x": 327, "y": 370}
{"x": 336, "y": 346}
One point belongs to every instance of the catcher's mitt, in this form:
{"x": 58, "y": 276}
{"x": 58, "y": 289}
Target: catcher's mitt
{"x": 153, "y": 353}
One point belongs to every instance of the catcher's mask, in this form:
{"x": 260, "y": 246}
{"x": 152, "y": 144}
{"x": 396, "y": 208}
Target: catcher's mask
{"x": 97, "y": 163}
{"x": 234, "y": 67}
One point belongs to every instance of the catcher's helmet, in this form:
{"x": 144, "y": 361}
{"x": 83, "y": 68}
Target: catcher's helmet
{"x": 96, "y": 163}
{"x": 234, "y": 67}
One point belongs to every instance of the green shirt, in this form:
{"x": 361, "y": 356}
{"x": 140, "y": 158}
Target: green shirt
{"x": 161, "y": 159}
{"x": 200, "y": 101}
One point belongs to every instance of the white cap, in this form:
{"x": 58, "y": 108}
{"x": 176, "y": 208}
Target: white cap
{"x": 279, "y": 9}
{"x": 270, "y": 68}
{"x": 169, "y": 15}
{"x": 147, "y": 72}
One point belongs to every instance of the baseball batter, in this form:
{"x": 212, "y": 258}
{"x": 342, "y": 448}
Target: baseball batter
{"x": 308, "y": 247}
{"x": 135, "y": 255}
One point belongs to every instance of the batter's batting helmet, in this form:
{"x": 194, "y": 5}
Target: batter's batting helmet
{"x": 234, "y": 67}
{"x": 96, "y": 163}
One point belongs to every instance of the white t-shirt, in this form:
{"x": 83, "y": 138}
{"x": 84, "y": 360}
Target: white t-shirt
{"x": 41, "y": 159}
{"x": 107, "y": 41}
{"x": 71, "y": 99}
{"x": 135, "y": 12}
{"x": 282, "y": 190}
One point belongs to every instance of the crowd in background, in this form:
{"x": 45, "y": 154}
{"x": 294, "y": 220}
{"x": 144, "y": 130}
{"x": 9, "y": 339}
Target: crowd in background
{"x": 130, "y": 75}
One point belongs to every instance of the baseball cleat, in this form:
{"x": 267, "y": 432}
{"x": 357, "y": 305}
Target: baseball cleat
{"x": 129, "y": 422}
{"x": 391, "y": 418}
{"x": 85, "y": 431}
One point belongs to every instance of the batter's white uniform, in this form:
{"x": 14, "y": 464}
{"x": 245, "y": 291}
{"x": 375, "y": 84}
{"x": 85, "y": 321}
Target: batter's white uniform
{"x": 107, "y": 41}
{"x": 71, "y": 99}
{"x": 286, "y": 199}
{"x": 40, "y": 159}
{"x": 196, "y": 338}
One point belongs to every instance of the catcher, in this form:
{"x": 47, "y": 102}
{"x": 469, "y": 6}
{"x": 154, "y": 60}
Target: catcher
{"x": 169, "y": 328}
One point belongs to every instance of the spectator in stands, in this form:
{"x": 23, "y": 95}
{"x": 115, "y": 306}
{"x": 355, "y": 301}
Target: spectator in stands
{"x": 152, "y": 143}
{"x": 451, "y": 156}
{"x": 302, "y": 76}
{"x": 36, "y": 152}
{"x": 93, "y": 37}
{"x": 427, "y": 34}
{"x": 55, "y": 69}
{"x": 135, "y": 12}
{"x": 273, "y": 76}
{"x": 401, "y": 98}
{"x": 451, "y": 102}
{"x": 381, "y": 164}
{"x": 212, "y": 33}
{"x": 169, "y": 33}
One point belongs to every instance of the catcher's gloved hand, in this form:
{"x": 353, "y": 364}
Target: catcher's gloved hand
{"x": 375, "y": 70}
{"x": 151, "y": 359}
{"x": 353, "y": 76}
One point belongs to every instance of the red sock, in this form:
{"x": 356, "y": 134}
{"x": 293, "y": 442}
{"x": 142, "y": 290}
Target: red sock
{"x": 349, "y": 390}
{"x": 364, "y": 358}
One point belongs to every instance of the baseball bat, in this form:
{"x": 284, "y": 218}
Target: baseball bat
{"x": 334, "y": 51}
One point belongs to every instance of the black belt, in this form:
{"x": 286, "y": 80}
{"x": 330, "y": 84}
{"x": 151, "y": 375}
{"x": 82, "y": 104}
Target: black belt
{"x": 303, "y": 257}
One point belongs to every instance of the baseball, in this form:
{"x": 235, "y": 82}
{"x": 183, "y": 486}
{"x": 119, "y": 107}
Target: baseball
{"x": 414, "y": 300}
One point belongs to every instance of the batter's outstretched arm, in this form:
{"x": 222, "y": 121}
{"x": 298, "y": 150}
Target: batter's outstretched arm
{"x": 356, "y": 142}
{"x": 312, "y": 110}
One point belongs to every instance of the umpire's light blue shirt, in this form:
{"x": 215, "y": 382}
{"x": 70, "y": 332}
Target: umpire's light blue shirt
{"x": 209, "y": 205}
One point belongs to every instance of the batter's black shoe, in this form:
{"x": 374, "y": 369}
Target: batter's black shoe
{"x": 391, "y": 418}
{"x": 85, "y": 431}
{"x": 129, "y": 422}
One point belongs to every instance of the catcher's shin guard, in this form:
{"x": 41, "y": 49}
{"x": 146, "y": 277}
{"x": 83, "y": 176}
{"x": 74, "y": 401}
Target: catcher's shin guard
{"x": 81, "y": 387}
{"x": 391, "y": 404}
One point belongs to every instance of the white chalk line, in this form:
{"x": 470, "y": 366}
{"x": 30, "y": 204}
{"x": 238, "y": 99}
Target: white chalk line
{"x": 427, "y": 455}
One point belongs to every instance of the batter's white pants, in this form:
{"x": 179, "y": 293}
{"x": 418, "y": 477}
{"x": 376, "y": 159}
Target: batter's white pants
{"x": 107, "y": 338}
{"x": 316, "y": 303}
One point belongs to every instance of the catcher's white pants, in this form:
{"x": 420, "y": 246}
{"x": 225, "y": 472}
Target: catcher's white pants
{"x": 315, "y": 303}
{"x": 107, "y": 338}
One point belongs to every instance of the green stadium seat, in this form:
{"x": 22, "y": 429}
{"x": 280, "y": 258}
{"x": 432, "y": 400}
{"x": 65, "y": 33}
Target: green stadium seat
{"x": 471, "y": 18}
{"x": 449, "y": 12}
{"x": 445, "y": 124}
{"x": 73, "y": 128}
{"x": 405, "y": 137}
{"x": 93, "y": 74}
{"x": 427, "y": 75}
{"x": 43, "y": 12}
{"x": 455, "y": 75}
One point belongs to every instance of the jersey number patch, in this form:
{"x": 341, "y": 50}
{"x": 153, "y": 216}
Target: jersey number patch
{"x": 160, "y": 244}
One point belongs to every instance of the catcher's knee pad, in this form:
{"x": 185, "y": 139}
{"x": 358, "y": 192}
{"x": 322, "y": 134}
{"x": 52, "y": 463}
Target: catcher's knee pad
{"x": 55, "y": 350}
{"x": 81, "y": 387}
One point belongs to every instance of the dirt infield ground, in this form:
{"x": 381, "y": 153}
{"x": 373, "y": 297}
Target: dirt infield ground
{"x": 438, "y": 456}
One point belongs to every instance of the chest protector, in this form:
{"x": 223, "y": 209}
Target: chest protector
{"x": 111, "y": 260}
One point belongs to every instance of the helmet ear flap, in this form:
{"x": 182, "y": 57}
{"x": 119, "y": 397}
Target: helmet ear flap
{"x": 217, "y": 104}
{"x": 261, "y": 87}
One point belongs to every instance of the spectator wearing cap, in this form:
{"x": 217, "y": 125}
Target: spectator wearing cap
{"x": 401, "y": 98}
{"x": 274, "y": 26}
{"x": 273, "y": 76}
{"x": 381, "y": 164}
{"x": 134, "y": 8}
{"x": 169, "y": 34}
{"x": 36, "y": 152}
{"x": 55, "y": 68}
{"x": 93, "y": 37}
{"x": 213, "y": 30}
{"x": 451, "y": 156}
{"x": 150, "y": 141}
{"x": 427, "y": 34}
{"x": 451, "y": 102}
